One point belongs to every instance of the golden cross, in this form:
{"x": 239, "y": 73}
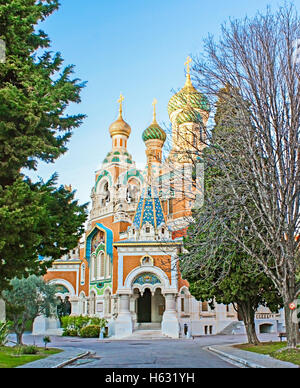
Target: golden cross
{"x": 120, "y": 101}
{"x": 187, "y": 63}
{"x": 154, "y": 109}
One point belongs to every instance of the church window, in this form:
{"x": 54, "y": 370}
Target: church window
{"x": 182, "y": 305}
{"x": 204, "y": 306}
{"x": 116, "y": 143}
{"x": 121, "y": 142}
{"x": 147, "y": 229}
{"x": 102, "y": 266}
{"x": 95, "y": 267}
{"x": 82, "y": 276}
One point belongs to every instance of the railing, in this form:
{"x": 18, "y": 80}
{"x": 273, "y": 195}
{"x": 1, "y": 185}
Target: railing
{"x": 266, "y": 316}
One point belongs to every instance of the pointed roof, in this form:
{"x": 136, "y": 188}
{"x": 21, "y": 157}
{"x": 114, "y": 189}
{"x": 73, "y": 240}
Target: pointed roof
{"x": 149, "y": 209}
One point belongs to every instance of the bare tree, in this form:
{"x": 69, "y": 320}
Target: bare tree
{"x": 261, "y": 160}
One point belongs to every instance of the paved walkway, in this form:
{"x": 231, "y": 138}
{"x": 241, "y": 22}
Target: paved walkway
{"x": 249, "y": 359}
{"x": 58, "y": 360}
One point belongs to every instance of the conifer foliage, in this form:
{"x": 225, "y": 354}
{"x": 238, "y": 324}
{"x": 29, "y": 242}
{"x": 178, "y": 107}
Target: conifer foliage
{"x": 36, "y": 218}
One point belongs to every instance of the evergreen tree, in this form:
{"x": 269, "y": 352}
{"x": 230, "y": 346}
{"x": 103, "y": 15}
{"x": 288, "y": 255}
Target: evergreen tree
{"x": 34, "y": 91}
{"x": 36, "y": 218}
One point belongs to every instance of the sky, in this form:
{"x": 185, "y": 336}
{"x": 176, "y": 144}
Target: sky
{"x": 134, "y": 47}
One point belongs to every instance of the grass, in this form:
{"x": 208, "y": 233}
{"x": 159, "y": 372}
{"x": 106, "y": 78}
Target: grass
{"x": 272, "y": 349}
{"x": 10, "y": 357}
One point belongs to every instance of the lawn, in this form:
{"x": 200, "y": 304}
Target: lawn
{"x": 272, "y": 348}
{"x": 9, "y": 357}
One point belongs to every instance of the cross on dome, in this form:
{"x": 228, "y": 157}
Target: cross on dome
{"x": 120, "y": 101}
{"x": 154, "y": 109}
{"x": 187, "y": 63}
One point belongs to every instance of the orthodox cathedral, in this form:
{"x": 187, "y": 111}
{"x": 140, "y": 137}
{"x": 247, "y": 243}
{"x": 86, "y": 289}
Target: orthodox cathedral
{"x": 126, "y": 267}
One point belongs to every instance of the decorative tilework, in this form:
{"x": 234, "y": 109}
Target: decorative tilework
{"x": 147, "y": 278}
{"x": 149, "y": 209}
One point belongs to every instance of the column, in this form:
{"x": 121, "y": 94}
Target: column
{"x": 170, "y": 324}
{"x": 133, "y": 300}
{"x": 124, "y": 324}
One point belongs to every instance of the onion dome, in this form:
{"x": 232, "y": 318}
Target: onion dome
{"x": 120, "y": 127}
{"x": 188, "y": 93}
{"x": 189, "y": 115}
{"x": 154, "y": 131}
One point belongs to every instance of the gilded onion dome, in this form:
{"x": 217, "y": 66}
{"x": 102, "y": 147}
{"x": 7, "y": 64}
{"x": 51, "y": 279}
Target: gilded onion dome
{"x": 120, "y": 127}
{"x": 154, "y": 131}
{"x": 188, "y": 94}
{"x": 189, "y": 115}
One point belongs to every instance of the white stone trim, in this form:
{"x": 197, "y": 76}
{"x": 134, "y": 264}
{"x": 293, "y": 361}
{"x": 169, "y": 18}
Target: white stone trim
{"x": 120, "y": 270}
{"x": 165, "y": 284}
{"x": 65, "y": 283}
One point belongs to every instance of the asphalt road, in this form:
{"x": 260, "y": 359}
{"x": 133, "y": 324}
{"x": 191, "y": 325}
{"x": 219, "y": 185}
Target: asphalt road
{"x": 162, "y": 353}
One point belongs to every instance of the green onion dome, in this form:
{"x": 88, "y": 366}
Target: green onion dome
{"x": 188, "y": 95}
{"x": 189, "y": 115}
{"x": 154, "y": 131}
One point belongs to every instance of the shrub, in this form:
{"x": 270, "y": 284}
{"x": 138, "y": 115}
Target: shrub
{"x": 46, "y": 340}
{"x": 73, "y": 324}
{"x": 91, "y": 331}
{"x": 70, "y": 333}
{"x": 28, "y": 349}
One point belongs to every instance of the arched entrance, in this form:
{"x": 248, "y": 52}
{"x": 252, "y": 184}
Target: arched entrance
{"x": 144, "y": 307}
{"x": 150, "y": 306}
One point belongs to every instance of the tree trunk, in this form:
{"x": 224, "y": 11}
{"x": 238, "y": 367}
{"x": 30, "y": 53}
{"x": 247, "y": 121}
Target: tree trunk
{"x": 292, "y": 328}
{"x": 19, "y": 338}
{"x": 248, "y": 314}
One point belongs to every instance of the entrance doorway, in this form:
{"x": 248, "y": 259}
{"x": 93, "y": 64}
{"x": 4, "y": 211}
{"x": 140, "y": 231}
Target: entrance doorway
{"x": 144, "y": 307}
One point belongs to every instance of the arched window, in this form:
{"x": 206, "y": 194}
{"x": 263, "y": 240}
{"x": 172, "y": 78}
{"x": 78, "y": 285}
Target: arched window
{"x": 93, "y": 304}
{"x": 82, "y": 274}
{"x": 95, "y": 270}
{"x": 102, "y": 265}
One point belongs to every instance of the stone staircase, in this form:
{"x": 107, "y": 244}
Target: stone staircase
{"x": 148, "y": 326}
{"x": 233, "y": 327}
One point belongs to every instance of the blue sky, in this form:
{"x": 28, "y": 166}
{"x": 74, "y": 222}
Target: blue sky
{"x": 137, "y": 47}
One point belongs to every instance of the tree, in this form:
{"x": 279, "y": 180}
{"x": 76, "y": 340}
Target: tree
{"x": 27, "y": 299}
{"x": 218, "y": 270}
{"x": 216, "y": 267}
{"x": 34, "y": 91}
{"x": 257, "y": 58}
{"x": 37, "y": 219}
